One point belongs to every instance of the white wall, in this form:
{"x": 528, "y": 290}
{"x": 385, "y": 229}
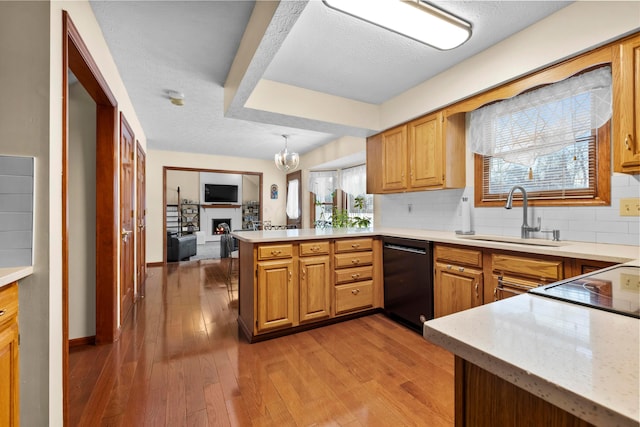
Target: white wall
{"x": 82, "y": 213}
{"x": 273, "y": 210}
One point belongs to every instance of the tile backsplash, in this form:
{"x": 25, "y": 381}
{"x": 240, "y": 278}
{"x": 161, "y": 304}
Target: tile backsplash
{"x": 16, "y": 211}
{"x": 441, "y": 210}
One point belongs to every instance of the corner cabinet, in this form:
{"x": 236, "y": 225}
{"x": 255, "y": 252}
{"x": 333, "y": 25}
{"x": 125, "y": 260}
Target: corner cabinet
{"x": 285, "y": 287}
{"x": 626, "y": 104}
{"x": 427, "y": 153}
{"x": 9, "y": 356}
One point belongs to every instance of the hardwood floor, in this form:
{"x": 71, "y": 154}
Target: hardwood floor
{"x": 181, "y": 362}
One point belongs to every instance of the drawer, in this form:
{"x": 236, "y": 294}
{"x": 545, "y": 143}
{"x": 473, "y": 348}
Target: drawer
{"x": 275, "y": 251}
{"x": 354, "y": 296}
{"x": 528, "y": 267}
{"x": 347, "y": 275}
{"x": 455, "y": 255}
{"x": 314, "y": 248}
{"x": 350, "y": 245}
{"x": 354, "y": 259}
{"x": 8, "y": 302}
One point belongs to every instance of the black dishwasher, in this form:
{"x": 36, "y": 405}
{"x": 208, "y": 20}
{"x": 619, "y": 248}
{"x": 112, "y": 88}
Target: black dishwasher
{"x": 408, "y": 281}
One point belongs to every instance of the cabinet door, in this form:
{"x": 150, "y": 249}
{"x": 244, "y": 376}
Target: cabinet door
{"x": 425, "y": 151}
{"x": 275, "y": 294}
{"x": 315, "y": 287}
{"x": 456, "y": 288}
{"x": 394, "y": 159}
{"x": 9, "y": 408}
{"x": 626, "y": 98}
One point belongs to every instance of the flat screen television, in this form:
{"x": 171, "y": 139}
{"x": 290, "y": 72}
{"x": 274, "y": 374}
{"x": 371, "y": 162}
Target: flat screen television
{"x": 220, "y": 193}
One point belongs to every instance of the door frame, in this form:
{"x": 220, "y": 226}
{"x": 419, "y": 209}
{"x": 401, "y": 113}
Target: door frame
{"x": 141, "y": 221}
{"x": 77, "y": 58}
{"x": 164, "y": 196}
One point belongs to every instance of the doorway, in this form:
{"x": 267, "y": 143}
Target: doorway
{"x": 187, "y": 212}
{"x": 77, "y": 61}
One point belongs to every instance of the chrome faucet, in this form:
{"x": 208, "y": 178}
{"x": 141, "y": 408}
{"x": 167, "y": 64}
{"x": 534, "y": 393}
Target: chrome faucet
{"x": 526, "y": 229}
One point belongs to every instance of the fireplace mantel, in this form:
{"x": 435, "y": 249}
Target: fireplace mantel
{"x": 220, "y": 206}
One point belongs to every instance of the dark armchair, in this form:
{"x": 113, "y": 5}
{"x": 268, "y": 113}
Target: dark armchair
{"x": 180, "y": 248}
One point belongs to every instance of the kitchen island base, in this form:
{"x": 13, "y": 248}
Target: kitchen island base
{"x": 484, "y": 399}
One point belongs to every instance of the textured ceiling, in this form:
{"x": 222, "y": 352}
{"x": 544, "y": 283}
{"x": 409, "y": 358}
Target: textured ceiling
{"x": 190, "y": 46}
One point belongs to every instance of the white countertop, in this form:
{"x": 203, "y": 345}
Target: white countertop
{"x": 583, "y": 360}
{"x": 11, "y": 274}
{"x": 593, "y": 251}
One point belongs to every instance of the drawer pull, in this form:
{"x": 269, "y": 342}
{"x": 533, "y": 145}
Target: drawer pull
{"x": 276, "y": 252}
{"x": 460, "y": 269}
{"x": 449, "y": 267}
{"x": 477, "y": 290}
{"x": 315, "y": 248}
{"x": 355, "y": 275}
{"x": 355, "y": 291}
{"x": 355, "y": 261}
{"x": 2, "y": 312}
{"x": 355, "y": 245}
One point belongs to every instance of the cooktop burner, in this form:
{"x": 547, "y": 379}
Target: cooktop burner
{"x": 616, "y": 289}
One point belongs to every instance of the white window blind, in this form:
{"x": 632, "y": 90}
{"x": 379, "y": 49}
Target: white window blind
{"x": 545, "y": 139}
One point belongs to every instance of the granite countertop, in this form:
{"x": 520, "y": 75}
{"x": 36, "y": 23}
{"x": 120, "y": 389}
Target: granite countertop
{"x": 583, "y": 360}
{"x": 11, "y": 274}
{"x": 593, "y": 251}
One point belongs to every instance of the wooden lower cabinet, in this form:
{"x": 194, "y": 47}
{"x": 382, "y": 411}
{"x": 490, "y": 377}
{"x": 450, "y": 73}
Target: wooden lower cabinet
{"x": 483, "y": 399}
{"x": 315, "y": 288}
{"x": 458, "y": 279}
{"x": 456, "y": 288}
{"x": 9, "y": 356}
{"x": 275, "y": 294}
{"x": 289, "y": 286}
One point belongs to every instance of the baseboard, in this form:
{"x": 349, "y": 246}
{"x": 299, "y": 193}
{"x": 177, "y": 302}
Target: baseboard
{"x": 155, "y": 264}
{"x": 77, "y": 342}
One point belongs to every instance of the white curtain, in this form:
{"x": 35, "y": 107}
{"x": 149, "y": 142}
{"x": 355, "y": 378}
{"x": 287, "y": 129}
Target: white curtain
{"x": 293, "y": 204}
{"x": 542, "y": 121}
{"x": 323, "y": 183}
{"x": 354, "y": 180}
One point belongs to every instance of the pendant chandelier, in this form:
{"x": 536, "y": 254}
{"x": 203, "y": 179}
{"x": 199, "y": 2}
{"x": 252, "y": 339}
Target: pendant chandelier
{"x": 286, "y": 161}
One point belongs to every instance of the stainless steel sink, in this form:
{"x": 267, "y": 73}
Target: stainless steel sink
{"x": 515, "y": 240}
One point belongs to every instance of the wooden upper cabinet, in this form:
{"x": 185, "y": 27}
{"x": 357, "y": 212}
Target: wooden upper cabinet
{"x": 626, "y": 105}
{"x": 427, "y": 153}
{"x": 394, "y": 159}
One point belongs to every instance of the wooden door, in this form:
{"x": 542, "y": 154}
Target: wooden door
{"x": 275, "y": 294}
{"x": 626, "y": 96}
{"x": 394, "y": 159}
{"x": 294, "y": 205}
{"x": 315, "y": 287}
{"x": 456, "y": 289}
{"x": 9, "y": 356}
{"x": 127, "y": 180}
{"x": 141, "y": 217}
{"x": 425, "y": 151}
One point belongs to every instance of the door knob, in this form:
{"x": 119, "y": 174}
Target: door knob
{"x": 125, "y": 234}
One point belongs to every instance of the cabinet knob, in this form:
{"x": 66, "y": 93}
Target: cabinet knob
{"x": 2, "y": 312}
{"x": 355, "y": 291}
{"x": 355, "y": 275}
{"x": 274, "y": 252}
{"x": 460, "y": 269}
{"x": 477, "y": 289}
{"x": 628, "y": 142}
{"x": 355, "y": 245}
{"x": 355, "y": 261}
{"x": 449, "y": 267}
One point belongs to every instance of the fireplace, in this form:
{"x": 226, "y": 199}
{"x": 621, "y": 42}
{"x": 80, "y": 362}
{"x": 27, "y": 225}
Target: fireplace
{"x": 215, "y": 222}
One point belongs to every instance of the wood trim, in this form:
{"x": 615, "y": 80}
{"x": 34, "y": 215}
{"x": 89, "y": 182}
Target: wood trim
{"x": 155, "y": 264}
{"x": 77, "y": 58}
{"x": 545, "y": 76}
{"x": 78, "y": 342}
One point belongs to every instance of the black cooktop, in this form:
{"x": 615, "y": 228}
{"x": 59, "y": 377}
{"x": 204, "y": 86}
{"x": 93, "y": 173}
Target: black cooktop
{"x": 616, "y": 289}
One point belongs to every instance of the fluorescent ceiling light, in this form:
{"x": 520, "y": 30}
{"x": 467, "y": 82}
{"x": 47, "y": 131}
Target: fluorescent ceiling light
{"x": 411, "y": 18}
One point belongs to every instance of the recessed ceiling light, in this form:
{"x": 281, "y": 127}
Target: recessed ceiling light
{"x": 411, "y": 18}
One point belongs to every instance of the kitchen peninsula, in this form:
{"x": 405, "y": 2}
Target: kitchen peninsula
{"x": 581, "y": 360}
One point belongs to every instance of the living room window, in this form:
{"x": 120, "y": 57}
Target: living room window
{"x": 554, "y": 141}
